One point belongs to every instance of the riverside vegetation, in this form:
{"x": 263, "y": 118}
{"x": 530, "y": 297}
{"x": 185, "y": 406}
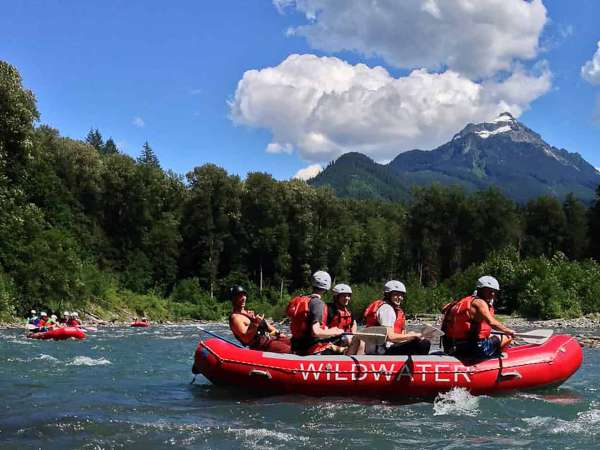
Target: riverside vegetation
{"x": 84, "y": 226}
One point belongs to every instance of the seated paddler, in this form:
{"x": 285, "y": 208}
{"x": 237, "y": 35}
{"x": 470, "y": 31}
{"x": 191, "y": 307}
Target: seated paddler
{"x": 308, "y": 320}
{"x": 468, "y": 323}
{"x": 252, "y": 329}
{"x": 339, "y": 314}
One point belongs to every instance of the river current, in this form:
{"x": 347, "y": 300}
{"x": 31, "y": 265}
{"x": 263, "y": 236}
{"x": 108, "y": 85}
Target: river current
{"x": 130, "y": 388}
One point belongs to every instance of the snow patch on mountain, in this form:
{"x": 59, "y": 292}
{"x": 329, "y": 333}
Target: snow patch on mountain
{"x": 484, "y": 134}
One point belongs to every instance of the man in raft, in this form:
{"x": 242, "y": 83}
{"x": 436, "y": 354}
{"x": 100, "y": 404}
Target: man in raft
{"x": 468, "y": 323}
{"x": 388, "y": 313}
{"x": 252, "y": 329}
{"x": 308, "y": 320}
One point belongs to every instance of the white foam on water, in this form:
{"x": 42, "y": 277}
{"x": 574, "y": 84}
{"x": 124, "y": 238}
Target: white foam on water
{"x": 256, "y": 436}
{"x": 44, "y": 357}
{"x": 586, "y": 422}
{"x": 87, "y": 361}
{"x": 457, "y": 401}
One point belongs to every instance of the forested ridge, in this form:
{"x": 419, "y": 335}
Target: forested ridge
{"x": 84, "y": 226}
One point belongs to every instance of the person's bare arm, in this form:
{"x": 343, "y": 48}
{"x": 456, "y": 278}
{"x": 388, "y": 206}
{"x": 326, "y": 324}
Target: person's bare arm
{"x": 320, "y": 332}
{"x": 399, "y": 338}
{"x": 482, "y": 312}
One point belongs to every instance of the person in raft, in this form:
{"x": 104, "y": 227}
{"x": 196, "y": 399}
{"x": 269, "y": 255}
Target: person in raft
{"x": 252, "y": 329}
{"x": 468, "y": 323}
{"x": 308, "y": 320}
{"x": 74, "y": 320}
{"x": 339, "y": 314}
{"x": 388, "y": 313}
{"x": 32, "y": 319}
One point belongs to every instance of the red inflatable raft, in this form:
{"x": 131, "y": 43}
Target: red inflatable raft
{"x": 521, "y": 367}
{"x": 59, "y": 334}
{"x": 139, "y": 323}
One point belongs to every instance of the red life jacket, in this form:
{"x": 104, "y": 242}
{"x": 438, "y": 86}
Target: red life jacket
{"x": 370, "y": 316}
{"x": 341, "y": 317}
{"x": 73, "y": 323}
{"x": 297, "y": 311}
{"x": 458, "y": 324}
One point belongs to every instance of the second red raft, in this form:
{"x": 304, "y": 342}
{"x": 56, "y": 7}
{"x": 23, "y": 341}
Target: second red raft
{"x": 59, "y": 334}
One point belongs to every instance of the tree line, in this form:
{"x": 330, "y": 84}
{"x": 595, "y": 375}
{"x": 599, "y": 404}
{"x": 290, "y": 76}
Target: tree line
{"x": 84, "y": 225}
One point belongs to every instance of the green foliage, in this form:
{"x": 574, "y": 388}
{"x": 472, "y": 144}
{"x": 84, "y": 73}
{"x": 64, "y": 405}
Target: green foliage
{"x": 84, "y": 226}
{"x": 7, "y": 297}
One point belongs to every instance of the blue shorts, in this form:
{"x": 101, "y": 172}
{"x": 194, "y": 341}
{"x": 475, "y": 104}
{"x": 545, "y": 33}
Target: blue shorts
{"x": 488, "y": 348}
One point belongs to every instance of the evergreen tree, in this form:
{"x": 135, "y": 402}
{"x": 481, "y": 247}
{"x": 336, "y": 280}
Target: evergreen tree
{"x": 594, "y": 221}
{"x": 110, "y": 148}
{"x": 94, "y": 138}
{"x": 575, "y": 244}
{"x": 148, "y": 157}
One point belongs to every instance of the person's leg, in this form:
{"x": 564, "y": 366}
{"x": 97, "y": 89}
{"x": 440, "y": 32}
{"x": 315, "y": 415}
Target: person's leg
{"x": 414, "y": 347}
{"x": 357, "y": 347}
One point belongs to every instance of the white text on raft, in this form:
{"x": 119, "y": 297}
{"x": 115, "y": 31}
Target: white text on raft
{"x": 437, "y": 373}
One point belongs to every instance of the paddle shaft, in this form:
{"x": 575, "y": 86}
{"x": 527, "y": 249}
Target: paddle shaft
{"x": 221, "y": 337}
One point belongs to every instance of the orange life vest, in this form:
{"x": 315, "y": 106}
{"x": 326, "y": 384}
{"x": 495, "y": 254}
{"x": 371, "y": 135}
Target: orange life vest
{"x": 297, "y": 311}
{"x": 458, "y": 323}
{"x": 370, "y": 316}
{"x": 341, "y": 317}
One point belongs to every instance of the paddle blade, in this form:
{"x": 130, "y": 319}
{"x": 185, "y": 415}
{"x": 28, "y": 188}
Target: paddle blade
{"x": 535, "y": 336}
{"x": 372, "y": 335}
{"x": 430, "y": 332}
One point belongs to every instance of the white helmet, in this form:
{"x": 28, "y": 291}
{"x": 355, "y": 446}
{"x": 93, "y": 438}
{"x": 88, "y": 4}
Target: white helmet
{"x": 43, "y": 314}
{"x": 33, "y": 311}
{"x": 394, "y": 286}
{"x": 53, "y": 316}
{"x": 321, "y": 280}
{"x": 74, "y": 314}
{"x": 66, "y": 314}
{"x": 341, "y": 289}
{"x": 488, "y": 282}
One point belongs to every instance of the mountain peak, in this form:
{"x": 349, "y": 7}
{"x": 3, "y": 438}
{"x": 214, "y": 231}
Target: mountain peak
{"x": 504, "y": 125}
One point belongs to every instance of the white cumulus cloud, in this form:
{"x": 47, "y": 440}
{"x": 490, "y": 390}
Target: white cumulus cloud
{"x": 474, "y": 38}
{"x": 138, "y": 122}
{"x": 323, "y": 106}
{"x": 590, "y": 71}
{"x": 308, "y": 172}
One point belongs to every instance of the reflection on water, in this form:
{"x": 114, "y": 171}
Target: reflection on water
{"x": 130, "y": 388}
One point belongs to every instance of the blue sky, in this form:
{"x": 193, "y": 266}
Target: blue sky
{"x": 168, "y": 73}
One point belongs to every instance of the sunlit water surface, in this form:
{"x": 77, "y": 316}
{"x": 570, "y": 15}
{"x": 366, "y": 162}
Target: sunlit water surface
{"x": 130, "y": 388}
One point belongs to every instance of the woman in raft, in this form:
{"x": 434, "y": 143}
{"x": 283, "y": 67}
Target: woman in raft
{"x": 252, "y": 329}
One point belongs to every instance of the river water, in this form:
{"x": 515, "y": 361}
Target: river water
{"x": 130, "y": 388}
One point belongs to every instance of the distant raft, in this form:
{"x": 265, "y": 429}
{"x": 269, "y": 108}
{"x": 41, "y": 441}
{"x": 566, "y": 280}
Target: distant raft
{"x": 139, "y": 323}
{"x": 59, "y": 334}
{"x": 392, "y": 377}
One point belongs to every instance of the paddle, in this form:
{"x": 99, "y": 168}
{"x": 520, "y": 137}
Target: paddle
{"x": 532, "y": 337}
{"x": 429, "y": 332}
{"x": 371, "y": 335}
{"x": 220, "y": 337}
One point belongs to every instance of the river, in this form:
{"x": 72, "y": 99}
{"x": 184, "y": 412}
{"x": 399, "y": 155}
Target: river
{"x": 130, "y": 388}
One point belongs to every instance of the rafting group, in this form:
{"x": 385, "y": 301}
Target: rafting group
{"x": 318, "y": 328}
{"x": 43, "y": 322}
